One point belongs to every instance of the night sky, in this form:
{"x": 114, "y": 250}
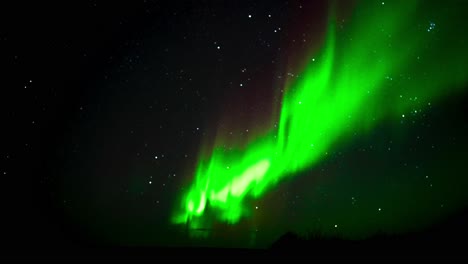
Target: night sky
{"x": 108, "y": 110}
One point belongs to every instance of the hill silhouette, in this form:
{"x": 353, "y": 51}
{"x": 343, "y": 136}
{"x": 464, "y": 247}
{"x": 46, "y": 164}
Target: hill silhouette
{"x": 444, "y": 241}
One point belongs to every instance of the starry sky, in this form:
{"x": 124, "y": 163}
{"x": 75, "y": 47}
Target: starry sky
{"x": 110, "y": 108}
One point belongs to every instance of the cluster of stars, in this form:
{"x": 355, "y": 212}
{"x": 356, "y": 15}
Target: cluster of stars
{"x": 431, "y": 26}
{"x": 26, "y": 86}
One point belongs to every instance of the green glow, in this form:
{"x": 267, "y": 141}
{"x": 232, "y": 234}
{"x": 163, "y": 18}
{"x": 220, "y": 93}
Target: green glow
{"x": 360, "y": 77}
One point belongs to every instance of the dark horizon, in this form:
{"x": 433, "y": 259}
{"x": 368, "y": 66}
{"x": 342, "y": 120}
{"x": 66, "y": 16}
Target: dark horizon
{"x": 439, "y": 242}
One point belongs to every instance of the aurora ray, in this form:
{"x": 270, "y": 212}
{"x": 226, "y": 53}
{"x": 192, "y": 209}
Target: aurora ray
{"x": 358, "y": 79}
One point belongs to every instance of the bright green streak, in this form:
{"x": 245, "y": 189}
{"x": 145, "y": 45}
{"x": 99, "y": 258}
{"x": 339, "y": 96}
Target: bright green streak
{"x": 386, "y": 63}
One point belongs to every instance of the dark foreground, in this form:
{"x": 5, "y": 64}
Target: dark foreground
{"x": 315, "y": 250}
{"x": 445, "y": 241}
{"x": 377, "y": 249}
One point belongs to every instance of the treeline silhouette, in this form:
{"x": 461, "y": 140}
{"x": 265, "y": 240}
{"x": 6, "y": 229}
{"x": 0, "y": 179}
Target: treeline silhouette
{"x": 445, "y": 240}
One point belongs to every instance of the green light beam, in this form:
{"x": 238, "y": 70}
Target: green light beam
{"x": 386, "y": 63}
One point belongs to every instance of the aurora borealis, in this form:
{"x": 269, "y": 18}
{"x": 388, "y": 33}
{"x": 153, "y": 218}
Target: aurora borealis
{"x": 233, "y": 124}
{"x": 358, "y": 79}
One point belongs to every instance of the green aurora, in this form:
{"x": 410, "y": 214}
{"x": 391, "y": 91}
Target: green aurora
{"x": 358, "y": 79}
